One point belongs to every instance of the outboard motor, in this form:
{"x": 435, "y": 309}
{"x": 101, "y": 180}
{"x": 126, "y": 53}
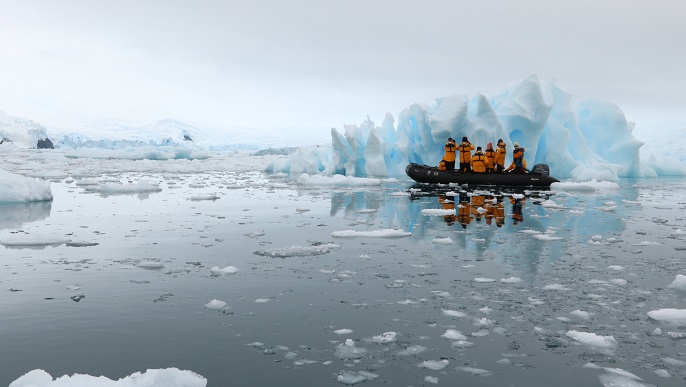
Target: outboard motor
{"x": 541, "y": 169}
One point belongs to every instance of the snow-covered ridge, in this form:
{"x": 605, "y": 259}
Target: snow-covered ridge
{"x": 119, "y": 134}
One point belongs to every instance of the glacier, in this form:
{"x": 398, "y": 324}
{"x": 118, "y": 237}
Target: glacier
{"x": 580, "y": 139}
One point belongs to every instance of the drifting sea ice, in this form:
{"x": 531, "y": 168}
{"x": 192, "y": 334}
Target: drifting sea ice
{"x": 679, "y": 283}
{"x": 226, "y": 270}
{"x": 593, "y": 340}
{"x": 170, "y": 377}
{"x": 434, "y": 364}
{"x": 298, "y": 251}
{"x": 384, "y": 233}
{"x": 215, "y": 305}
{"x": 669, "y": 315}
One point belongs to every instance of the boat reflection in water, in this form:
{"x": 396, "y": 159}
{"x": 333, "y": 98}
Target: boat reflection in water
{"x": 487, "y": 207}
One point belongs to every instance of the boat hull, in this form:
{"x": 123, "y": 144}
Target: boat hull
{"x": 432, "y": 175}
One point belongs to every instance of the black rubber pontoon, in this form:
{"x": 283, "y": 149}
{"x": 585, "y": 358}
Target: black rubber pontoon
{"x": 425, "y": 174}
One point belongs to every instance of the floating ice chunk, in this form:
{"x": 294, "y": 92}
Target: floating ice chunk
{"x": 431, "y": 379}
{"x": 475, "y": 371}
{"x": 454, "y": 334}
{"x": 413, "y": 350}
{"x": 674, "y": 316}
{"x": 546, "y": 237}
{"x": 678, "y": 232}
{"x": 343, "y": 331}
{"x": 482, "y": 322}
{"x": 367, "y": 211}
{"x": 556, "y": 287}
{"x": 550, "y": 204}
{"x": 646, "y": 243}
{"x": 261, "y": 300}
{"x": 453, "y": 313}
{"x": 581, "y": 314}
{"x": 588, "y": 186}
{"x": 347, "y": 352}
{"x": 84, "y": 182}
{"x": 73, "y": 287}
{"x": 434, "y": 364}
{"x": 33, "y": 242}
{"x": 679, "y": 283}
{"x": 442, "y": 241}
{"x": 615, "y": 267}
{"x": 662, "y": 373}
{"x": 511, "y": 280}
{"x": 618, "y": 281}
{"x": 383, "y": 233}
{"x": 337, "y": 180}
{"x": 674, "y": 362}
{"x": 169, "y": 377}
{"x": 115, "y": 188}
{"x": 216, "y": 270}
{"x": 593, "y": 340}
{"x": 215, "y": 305}
{"x": 298, "y": 251}
{"x": 350, "y": 378}
{"x": 150, "y": 265}
{"x": 462, "y": 344}
{"x": 21, "y": 189}
{"x": 483, "y": 279}
{"x": 386, "y": 337}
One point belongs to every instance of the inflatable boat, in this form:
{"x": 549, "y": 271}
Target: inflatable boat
{"x": 538, "y": 177}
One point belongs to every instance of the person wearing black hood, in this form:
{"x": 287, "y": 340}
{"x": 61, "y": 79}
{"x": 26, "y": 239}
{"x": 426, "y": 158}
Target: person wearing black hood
{"x": 465, "y": 149}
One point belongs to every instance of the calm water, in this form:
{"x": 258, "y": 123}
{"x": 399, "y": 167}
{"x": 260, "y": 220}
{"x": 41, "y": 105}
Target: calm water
{"x": 615, "y": 257}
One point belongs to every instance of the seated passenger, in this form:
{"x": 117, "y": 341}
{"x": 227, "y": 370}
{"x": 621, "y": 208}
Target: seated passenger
{"x": 518, "y": 162}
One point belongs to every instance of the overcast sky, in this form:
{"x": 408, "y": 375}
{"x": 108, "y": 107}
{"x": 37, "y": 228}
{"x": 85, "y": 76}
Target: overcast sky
{"x": 313, "y": 65}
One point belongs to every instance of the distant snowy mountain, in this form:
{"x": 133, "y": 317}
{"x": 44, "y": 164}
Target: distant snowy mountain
{"x": 22, "y": 132}
{"x": 118, "y": 134}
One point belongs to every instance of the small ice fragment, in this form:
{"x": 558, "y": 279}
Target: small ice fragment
{"x": 215, "y": 305}
{"x": 454, "y": 334}
{"x": 344, "y": 331}
{"x": 216, "y": 270}
{"x": 385, "y": 337}
{"x": 453, "y": 313}
{"x": 434, "y": 364}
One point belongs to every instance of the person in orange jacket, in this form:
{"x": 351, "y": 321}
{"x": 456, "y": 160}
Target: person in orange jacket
{"x": 449, "y": 157}
{"x": 478, "y": 161}
{"x": 465, "y": 148}
{"x": 518, "y": 162}
{"x": 500, "y": 156}
{"x": 490, "y": 158}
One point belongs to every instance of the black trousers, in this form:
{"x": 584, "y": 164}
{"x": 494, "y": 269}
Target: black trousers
{"x": 465, "y": 167}
{"x": 449, "y": 165}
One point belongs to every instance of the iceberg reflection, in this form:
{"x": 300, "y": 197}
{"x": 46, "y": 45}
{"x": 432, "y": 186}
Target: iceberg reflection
{"x": 16, "y": 214}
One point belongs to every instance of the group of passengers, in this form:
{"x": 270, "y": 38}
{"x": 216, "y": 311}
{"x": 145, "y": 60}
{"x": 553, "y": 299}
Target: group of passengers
{"x": 490, "y": 161}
